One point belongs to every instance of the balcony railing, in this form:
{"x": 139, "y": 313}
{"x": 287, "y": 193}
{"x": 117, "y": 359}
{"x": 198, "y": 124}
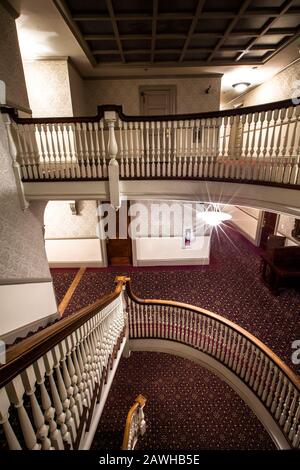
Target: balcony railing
{"x": 55, "y": 383}
{"x": 258, "y": 144}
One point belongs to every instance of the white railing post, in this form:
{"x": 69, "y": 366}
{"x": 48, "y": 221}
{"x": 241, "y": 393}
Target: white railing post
{"x": 15, "y": 165}
{"x": 113, "y": 167}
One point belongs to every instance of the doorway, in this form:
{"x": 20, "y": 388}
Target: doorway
{"x": 269, "y": 220}
{"x": 119, "y": 250}
{"x": 157, "y": 100}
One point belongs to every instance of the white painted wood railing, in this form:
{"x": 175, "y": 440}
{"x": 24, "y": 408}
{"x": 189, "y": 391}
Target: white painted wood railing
{"x": 135, "y": 424}
{"x": 256, "y": 144}
{"x": 50, "y": 387}
{"x": 276, "y": 386}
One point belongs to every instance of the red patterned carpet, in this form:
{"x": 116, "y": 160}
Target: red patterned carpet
{"x": 188, "y": 408}
{"x": 230, "y": 286}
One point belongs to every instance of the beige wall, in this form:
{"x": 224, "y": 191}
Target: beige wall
{"x": 11, "y": 68}
{"x": 77, "y": 88}
{"x": 22, "y": 250}
{"x": 282, "y": 86}
{"x": 191, "y": 96}
{"x": 48, "y": 87}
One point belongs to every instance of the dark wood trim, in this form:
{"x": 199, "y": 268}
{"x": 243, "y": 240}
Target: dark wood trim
{"x": 63, "y": 9}
{"x": 295, "y": 379}
{"x": 10, "y": 9}
{"x": 114, "y": 23}
{"x": 171, "y": 117}
{"x": 193, "y": 25}
{"x": 30, "y": 349}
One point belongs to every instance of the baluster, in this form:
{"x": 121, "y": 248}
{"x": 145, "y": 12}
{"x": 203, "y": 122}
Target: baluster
{"x": 276, "y": 394}
{"x": 49, "y": 411}
{"x": 103, "y": 149}
{"x": 205, "y": 147}
{"x": 286, "y": 167}
{"x": 80, "y": 147}
{"x": 257, "y": 162}
{"x": 293, "y": 149}
{"x": 15, "y": 391}
{"x": 295, "y": 424}
{"x": 158, "y": 169}
{"x": 237, "y": 352}
{"x": 254, "y": 368}
{"x": 250, "y": 363}
{"x": 26, "y": 151}
{"x": 63, "y": 393}
{"x": 163, "y": 168}
{"x": 97, "y": 150}
{"x": 196, "y": 136}
{"x": 284, "y": 415}
{"x": 224, "y": 344}
{"x": 20, "y": 151}
{"x": 31, "y": 140}
{"x": 54, "y": 151}
{"x": 152, "y": 148}
{"x": 131, "y": 151}
{"x": 270, "y": 165}
{"x": 245, "y": 359}
{"x": 271, "y": 393}
{"x": 212, "y": 150}
{"x": 61, "y": 416}
{"x": 92, "y": 150}
{"x": 147, "y": 125}
{"x": 281, "y": 399}
{"x": 241, "y": 355}
{"x": 263, "y": 381}
{"x": 169, "y": 147}
{"x": 259, "y": 371}
{"x": 29, "y": 380}
{"x": 86, "y": 151}
{"x": 184, "y": 166}
{"x": 279, "y": 147}
{"x": 175, "y": 156}
{"x": 142, "y": 150}
{"x": 12, "y": 441}
{"x": 262, "y": 170}
{"x": 137, "y": 149}
{"x": 72, "y": 151}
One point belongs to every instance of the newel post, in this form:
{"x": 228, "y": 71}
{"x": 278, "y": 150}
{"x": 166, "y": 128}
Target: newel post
{"x": 15, "y": 165}
{"x": 113, "y": 167}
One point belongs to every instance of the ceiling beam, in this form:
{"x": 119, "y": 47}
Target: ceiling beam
{"x": 63, "y": 9}
{"x": 154, "y": 23}
{"x": 268, "y": 25}
{"x": 284, "y": 43}
{"x": 230, "y": 27}
{"x": 115, "y": 27}
{"x": 192, "y": 27}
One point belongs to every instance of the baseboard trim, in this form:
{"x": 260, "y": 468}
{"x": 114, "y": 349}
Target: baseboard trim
{"x": 76, "y": 264}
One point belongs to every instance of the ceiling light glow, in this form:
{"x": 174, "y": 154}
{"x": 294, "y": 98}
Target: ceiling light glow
{"x": 214, "y": 218}
{"x": 241, "y": 86}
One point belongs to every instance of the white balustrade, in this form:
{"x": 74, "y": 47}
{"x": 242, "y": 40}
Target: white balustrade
{"x": 49, "y": 405}
{"x": 277, "y": 390}
{"x": 261, "y": 146}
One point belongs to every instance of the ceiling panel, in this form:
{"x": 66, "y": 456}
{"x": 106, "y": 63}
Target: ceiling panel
{"x": 132, "y": 31}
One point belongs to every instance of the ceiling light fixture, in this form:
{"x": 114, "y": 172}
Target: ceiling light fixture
{"x": 241, "y": 86}
{"x": 214, "y": 217}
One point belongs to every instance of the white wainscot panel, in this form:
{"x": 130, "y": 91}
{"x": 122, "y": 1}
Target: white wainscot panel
{"x": 74, "y": 252}
{"x": 170, "y": 251}
{"x": 24, "y": 304}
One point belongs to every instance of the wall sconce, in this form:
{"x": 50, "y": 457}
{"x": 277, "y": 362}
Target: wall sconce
{"x": 241, "y": 86}
{"x": 74, "y": 206}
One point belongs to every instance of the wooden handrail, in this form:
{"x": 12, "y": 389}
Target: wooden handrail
{"x": 22, "y": 355}
{"x": 139, "y": 402}
{"x": 295, "y": 379}
{"x": 13, "y": 112}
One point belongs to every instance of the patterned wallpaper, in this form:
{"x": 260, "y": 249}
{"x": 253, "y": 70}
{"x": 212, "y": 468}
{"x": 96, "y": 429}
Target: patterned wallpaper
{"x": 280, "y": 87}
{"x": 22, "y": 249}
{"x": 60, "y": 223}
{"x": 11, "y": 71}
{"x": 48, "y": 87}
{"x": 191, "y": 96}
{"x": 285, "y": 225}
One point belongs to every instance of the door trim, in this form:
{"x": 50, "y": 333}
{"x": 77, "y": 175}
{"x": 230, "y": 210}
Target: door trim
{"x": 170, "y": 88}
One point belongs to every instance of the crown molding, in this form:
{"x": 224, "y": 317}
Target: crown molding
{"x": 157, "y": 76}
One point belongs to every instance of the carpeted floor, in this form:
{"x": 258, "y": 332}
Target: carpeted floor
{"x": 187, "y": 408}
{"x": 230, "y": 286}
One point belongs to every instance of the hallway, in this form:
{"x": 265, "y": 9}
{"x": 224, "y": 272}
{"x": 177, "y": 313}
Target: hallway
{"x": 230, "y": 286}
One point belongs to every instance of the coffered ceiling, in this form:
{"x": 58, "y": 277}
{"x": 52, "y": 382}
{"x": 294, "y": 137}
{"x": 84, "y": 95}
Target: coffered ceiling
{"x": 181, "y": 33}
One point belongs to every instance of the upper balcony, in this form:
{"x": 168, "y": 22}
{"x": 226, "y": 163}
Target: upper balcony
{"x": 256, "y": 145}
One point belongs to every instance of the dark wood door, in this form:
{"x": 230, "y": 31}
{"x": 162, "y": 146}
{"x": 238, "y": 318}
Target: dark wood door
{"x": 268, "y": 228}
{"x": 119, "y": 250}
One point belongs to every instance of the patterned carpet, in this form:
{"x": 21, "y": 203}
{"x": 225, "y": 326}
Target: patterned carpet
{"x": 230, "y": 286}
{"x": 188, "y": 408}
{"x": 62, "y": 279}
